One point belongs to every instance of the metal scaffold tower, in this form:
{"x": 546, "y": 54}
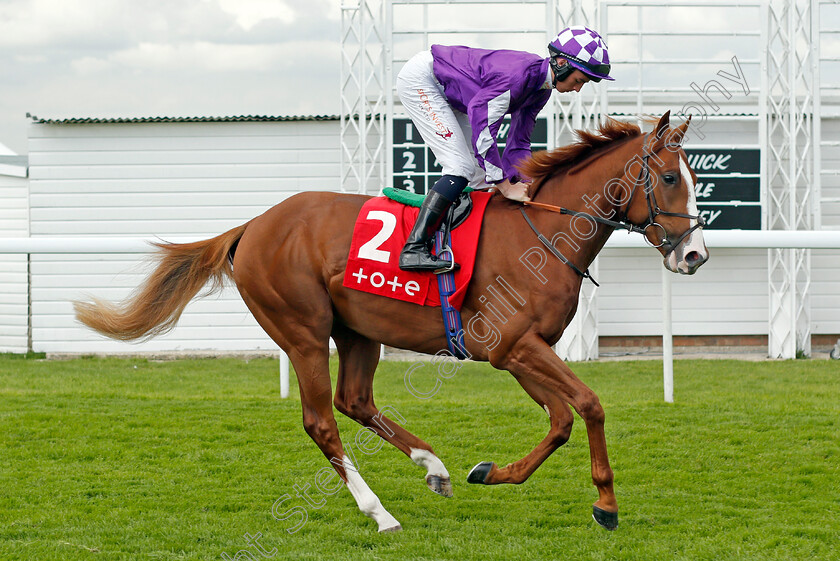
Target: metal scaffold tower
{"x": 586, "y": 110}
{"x": 363, "y": 87}
{"x": 370, "y": 59}
{"x": 379, "y": 36}
{"x": 788, "y": 111}
{"x": 435, "y": 21}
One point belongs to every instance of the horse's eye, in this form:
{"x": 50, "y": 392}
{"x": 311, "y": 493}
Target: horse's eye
{"x": 670, "y": 179}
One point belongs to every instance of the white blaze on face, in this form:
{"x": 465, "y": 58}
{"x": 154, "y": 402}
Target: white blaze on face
{"x": 366, "y": 499}
{"x": 694, "y": 242}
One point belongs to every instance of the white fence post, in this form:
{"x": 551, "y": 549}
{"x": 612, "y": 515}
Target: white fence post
{"x": 284, "y": 374}
{"x": 667, "y": 337}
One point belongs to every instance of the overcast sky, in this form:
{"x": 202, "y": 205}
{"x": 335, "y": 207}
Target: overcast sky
{"x": 106, "y": 58}
{"x": 147, "y": 58}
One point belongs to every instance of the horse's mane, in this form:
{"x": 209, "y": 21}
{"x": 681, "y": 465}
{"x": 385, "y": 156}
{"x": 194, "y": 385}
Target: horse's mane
{"x": 542, "y": 164}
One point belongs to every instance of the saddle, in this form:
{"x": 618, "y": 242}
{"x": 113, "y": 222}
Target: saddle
{"x": 379, "y": 234}
{"x": 457, "y": 214}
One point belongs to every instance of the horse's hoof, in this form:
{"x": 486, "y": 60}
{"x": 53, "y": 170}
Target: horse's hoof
{"x": 391, "y": 530}
{"x": 440, "y": 485}
{"x": 478, "y": 474}
{"x": 608, "y": 520}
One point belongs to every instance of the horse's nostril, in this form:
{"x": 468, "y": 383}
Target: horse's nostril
{"x": 692, "y": 257}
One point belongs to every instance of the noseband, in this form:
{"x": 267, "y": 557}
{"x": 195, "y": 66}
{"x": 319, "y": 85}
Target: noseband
{"x": 623, "y": 223}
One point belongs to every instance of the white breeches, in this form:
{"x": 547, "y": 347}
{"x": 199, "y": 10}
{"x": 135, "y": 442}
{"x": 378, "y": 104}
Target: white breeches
{"x": 446, "y": 131}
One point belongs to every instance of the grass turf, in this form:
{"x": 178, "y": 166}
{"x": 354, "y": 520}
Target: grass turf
{"x": 133, "y": 459}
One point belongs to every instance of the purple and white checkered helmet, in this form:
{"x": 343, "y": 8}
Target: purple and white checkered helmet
{"x": 585, "y": 50}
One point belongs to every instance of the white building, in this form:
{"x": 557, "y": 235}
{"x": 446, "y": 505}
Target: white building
{"x": 198, "y": 177}
{"x": 14, "y": 222}
{"x": 160, "y": 178}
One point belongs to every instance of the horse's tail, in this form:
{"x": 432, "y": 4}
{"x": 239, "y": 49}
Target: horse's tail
{"x": 156, "y": 305}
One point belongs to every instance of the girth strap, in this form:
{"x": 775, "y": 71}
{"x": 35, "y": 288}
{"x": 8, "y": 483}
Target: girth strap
{"x": 446, "y": 288}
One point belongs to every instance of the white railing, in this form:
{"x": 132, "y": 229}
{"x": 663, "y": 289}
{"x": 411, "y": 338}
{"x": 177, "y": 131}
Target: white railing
{"x": 54, "y": 245}
{"x": 751, "y": 239}
{"x": 736, "y": 239}
{"x": 91, "y": 245}
{"x": 740, "y": 239}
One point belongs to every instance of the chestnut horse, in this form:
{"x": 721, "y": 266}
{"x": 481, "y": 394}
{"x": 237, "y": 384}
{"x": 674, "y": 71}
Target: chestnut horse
{"x": 289, "y": 263}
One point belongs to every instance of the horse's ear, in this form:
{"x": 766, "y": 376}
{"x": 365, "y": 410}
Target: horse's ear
{"x": 664, "y": 123}
{"x": 657, "y": 140}
{"x": 678, "y": 133}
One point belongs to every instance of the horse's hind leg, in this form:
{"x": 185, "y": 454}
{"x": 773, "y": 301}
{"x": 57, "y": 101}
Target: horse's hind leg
{"x": 308, "y": 351}
{"x": 319, "y": 423}
{"x": 358, "y": 357}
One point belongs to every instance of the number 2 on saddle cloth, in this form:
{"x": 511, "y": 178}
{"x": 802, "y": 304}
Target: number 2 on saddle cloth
{"x": 373, "y": 262}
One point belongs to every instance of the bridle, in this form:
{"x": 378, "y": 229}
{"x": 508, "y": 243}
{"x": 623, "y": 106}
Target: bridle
{"x": 654, "y": 210}
{"x": 623, "y": 223}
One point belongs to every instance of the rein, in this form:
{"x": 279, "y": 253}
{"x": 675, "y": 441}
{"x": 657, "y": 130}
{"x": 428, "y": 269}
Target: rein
{"x": 547, "y": 243}
{"x": 622, "y": 224}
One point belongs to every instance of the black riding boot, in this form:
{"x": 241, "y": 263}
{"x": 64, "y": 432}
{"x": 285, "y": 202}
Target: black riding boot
{"x": 416, "y": 255}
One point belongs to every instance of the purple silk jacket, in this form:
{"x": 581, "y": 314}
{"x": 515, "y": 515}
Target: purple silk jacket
{"x": 487, "y": 85}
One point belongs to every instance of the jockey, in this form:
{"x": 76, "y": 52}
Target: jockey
{"x": 457, "y": 97}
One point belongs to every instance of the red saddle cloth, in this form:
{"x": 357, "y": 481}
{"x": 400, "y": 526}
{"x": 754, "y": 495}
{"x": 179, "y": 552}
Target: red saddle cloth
{"x": 378, "y": 237}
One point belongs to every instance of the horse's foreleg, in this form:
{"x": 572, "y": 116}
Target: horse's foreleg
{"x": 532, "y": 359}
{"x": 561, "y": 419}
{"x": 358, "y": 358}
